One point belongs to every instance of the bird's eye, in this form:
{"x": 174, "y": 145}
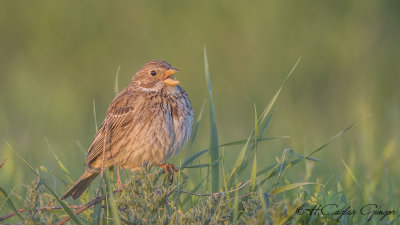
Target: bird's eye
{"x": 153, "y": 73}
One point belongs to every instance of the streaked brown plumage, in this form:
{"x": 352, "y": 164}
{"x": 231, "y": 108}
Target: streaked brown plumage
{"x": 147, "y": 122}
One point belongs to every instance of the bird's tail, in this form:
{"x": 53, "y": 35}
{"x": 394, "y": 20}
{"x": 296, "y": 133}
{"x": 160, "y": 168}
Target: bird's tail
{"x": 82, "y": 183}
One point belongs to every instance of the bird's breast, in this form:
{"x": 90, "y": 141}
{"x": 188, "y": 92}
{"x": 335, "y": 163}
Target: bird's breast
{"x": 163, "y": 125}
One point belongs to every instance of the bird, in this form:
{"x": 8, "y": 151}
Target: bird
{"x": 148, "y": 122}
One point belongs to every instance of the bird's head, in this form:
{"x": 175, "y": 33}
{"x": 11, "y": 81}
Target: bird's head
{"x": 155, "y": 74}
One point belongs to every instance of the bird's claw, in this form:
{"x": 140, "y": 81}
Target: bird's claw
{"x": 169, "y": 168}
{"x": 120, "y": 186}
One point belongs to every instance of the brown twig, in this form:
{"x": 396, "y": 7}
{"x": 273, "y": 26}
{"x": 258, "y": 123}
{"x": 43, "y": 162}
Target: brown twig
{"x": 102, "y": 163}
{"x": 86, "y": 206}
{"x": 47, "y": 208}
{"x": 50, "y": 202}
{"x": 179, "y": 211}
{"x": 10, "y": 215}
{"x": 218, "y": 193}
{"x": 2, "y": 163}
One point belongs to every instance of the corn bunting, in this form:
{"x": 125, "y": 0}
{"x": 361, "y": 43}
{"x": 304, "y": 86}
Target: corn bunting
{"x": 146, "y": 123}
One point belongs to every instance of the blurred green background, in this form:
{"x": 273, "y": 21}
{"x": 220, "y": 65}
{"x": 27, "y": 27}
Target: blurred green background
{"x": 57, "y": 57}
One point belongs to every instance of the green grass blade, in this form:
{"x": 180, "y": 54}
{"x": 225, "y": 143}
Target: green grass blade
{"x": 193, "y": 157}
{"x": 9, "y": 203}
{"x": 254, "y": 166}
{"x": 94, "y": 115}
{"x": 268, "y": 168}
{"x": 197, "y": 124}
{"x": 65, "y": 207}
{"x": 273, "y": 100}
{"x": 214, "y": 151}
{"x": 44, "y": 169}
{"x": 351, "y": 174}
{"x": 223, "y": 173}
{"x": 264, "y": 124}
{"x": 106, "y": 210}
{"x": 80, "y": 147}
{"x": 253, "y": 173}
{"x": 255, "y": 126}
{"x": 281, "y": 167}
{"x": 336, "y": 136}
{"x": 6, "y": 197}
{"x": 60, "y": 164}
{"x": 57, "y": 158}
{"x": 339, "y": 186}
{"x": 258, "y": 139}
{"x": 239, "y": 158}
{"x": 198, "y": 166}
{"x": 240, "y": 142}
{"x": 22, "y": 158}
{"x": 291, "y": 151}
{"x": 290, "y": 187}
{"x": 116, "y": 81}
{"x": 236, "y": 206}
{"x": 113, "y": 206}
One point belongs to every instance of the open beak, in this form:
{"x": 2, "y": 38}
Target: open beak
{"x": 168, "y": 77}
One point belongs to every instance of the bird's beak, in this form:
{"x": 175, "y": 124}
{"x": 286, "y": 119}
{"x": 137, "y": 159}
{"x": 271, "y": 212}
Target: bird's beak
{"x": 168, "y": 78}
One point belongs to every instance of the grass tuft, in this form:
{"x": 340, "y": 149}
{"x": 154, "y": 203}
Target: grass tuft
{"x": 214, "y": 150}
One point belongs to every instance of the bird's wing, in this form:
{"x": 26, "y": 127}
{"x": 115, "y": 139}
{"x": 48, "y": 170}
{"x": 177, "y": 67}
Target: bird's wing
{"x": 119, "y": 117}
